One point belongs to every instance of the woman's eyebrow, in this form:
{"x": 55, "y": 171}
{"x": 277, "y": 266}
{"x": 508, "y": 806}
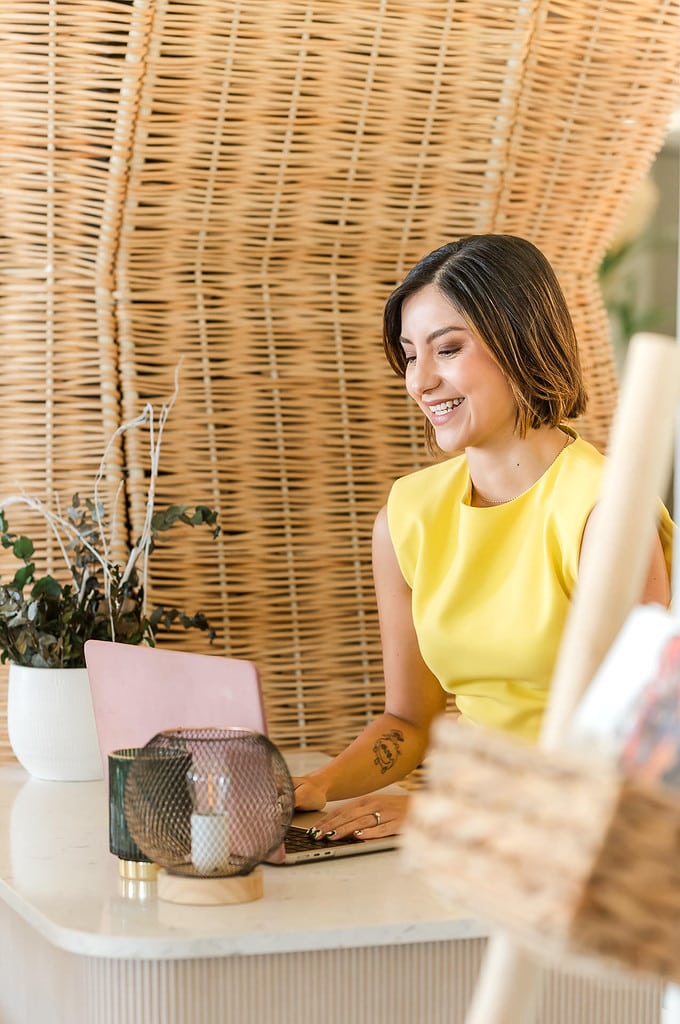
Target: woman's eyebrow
{"x": 434, "y": 334}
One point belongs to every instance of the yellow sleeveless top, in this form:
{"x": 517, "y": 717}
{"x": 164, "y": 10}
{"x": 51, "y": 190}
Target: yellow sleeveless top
{"x": 492, "y": 586}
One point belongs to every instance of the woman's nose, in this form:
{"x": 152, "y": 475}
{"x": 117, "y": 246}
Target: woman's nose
{"x": 423, "y": 376}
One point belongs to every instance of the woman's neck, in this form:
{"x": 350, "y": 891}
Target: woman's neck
{"x": 506, "y": 470}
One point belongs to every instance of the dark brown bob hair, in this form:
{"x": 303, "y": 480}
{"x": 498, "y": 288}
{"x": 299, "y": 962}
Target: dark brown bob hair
{"x": 509, "y": 295}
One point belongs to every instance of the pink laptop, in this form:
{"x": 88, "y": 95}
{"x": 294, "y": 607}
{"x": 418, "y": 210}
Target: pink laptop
{"x": 139, "y": 691}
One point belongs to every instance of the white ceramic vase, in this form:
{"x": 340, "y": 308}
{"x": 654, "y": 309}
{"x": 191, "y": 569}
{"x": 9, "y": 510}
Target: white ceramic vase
{"x": 51, "y": 723}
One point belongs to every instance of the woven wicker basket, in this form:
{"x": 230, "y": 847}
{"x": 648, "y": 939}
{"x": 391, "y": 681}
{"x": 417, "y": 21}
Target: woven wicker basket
{"x": 556, "y": 848}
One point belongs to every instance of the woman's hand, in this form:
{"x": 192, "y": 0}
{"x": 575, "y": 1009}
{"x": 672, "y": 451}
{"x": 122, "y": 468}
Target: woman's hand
{"x": 368, "y": 817}
{"x": 309, "y": 795}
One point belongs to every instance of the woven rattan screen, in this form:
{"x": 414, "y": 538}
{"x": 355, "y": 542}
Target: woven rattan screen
{"x": 238, "y": 185}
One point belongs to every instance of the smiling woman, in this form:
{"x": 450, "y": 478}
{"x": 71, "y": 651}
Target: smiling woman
{"x": 500, "y": 291}
{"x": 475, "y": 557}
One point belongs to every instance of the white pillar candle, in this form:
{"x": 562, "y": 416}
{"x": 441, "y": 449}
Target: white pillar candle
{"x": 209, "y": 842}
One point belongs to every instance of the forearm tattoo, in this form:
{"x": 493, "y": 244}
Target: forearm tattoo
{"x": 387, "y": 750}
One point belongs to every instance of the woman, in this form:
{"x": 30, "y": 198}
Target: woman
{"x": 475, "y": 558}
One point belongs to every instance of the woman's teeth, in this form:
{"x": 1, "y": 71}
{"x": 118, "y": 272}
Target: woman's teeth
{"x": 443, "y": 407}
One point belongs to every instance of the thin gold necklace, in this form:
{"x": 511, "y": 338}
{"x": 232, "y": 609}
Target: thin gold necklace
{"x": 475, "y": 492}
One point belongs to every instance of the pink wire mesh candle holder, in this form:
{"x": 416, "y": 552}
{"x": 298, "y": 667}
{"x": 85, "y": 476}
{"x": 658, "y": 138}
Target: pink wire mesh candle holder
{"x": 209, "y": 811}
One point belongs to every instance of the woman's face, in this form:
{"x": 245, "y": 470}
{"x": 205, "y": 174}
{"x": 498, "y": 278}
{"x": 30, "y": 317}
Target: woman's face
{"x": 452, "y": 375}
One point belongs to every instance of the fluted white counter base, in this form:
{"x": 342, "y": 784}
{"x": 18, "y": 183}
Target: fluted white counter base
{"x": 423, "y": 983}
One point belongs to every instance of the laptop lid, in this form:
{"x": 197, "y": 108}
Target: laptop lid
{"x": 138, "y": 691}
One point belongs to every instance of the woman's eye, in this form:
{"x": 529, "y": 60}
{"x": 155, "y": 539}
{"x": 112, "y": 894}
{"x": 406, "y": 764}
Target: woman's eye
{"x": 408, "y": 360}
{"x": 448, "y": 351}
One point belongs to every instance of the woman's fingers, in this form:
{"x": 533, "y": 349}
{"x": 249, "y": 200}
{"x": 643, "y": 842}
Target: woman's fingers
{"x": 358, "y": 825}
{"x": 377, "y": 826}
{"x": 367, "y": 817}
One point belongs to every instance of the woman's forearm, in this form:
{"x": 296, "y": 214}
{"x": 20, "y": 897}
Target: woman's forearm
{"x": 384, "y": 752}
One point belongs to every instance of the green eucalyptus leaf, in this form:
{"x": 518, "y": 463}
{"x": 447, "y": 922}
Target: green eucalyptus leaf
{"x": 155, "y": 618}
{"x": 24, "y": 575}
{"x": 48, "y": 586}
{"x": 203, "y": 514}
{"x": 96, "y": 510}
{"x": 23, "y": 548}
{"x": 166, "y": 518}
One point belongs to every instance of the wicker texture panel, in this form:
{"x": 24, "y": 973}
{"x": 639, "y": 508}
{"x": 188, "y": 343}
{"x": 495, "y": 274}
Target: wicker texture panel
{"x": 275, "y": 168}
{"x": 70, "y": 72}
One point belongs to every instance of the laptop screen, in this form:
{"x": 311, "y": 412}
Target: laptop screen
{"x": 138, "y": 691}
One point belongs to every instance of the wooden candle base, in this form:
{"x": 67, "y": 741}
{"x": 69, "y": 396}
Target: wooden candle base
{"x": 210, "y": 892}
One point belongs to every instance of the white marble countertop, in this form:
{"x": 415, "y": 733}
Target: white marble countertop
{"x": 56, "y": 872}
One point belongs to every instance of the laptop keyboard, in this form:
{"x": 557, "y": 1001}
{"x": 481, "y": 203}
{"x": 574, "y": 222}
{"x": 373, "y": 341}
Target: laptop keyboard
{"x": 297, "y": 840}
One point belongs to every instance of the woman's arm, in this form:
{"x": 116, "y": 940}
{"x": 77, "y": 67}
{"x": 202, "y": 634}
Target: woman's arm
{"x": 657, "y": 587}
{"x": 394, "y": 743}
